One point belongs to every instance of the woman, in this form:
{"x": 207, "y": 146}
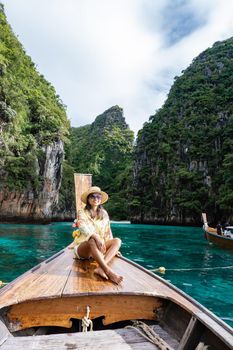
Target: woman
{"x": 96, "y": 238}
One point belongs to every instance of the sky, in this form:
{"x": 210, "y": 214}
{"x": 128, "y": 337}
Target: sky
{"x": 101, "y": 53}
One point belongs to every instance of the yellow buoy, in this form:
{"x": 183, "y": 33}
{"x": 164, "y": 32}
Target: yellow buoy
{"x": 162, "y": 269}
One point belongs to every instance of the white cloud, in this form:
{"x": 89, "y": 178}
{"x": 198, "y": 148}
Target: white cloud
{"x": 98, "y": 53}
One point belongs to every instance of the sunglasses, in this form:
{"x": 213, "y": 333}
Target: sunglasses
{"x": 95, "y": 196}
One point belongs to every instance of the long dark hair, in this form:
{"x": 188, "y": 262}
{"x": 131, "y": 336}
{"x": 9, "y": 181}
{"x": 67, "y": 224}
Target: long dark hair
{"x": 100, "y": 209}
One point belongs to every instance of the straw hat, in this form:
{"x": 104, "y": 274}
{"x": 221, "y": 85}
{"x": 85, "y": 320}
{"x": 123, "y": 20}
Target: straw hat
{"x": 94, "y": 189}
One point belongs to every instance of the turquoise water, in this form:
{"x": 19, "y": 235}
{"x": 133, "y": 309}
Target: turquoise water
{"x": 192, "y": 264}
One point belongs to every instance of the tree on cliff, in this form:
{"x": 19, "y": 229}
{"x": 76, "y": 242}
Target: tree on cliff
{"x": 183, "y": 158}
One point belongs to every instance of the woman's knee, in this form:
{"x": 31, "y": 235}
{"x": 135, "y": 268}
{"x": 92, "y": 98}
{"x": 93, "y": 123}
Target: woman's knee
{"x": 92, "y": 243}
{"x": 83, "y": 250}
{"x": 117, "y": 241}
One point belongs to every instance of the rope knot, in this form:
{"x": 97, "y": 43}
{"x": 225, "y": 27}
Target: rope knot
{"x": 87, "y": 322}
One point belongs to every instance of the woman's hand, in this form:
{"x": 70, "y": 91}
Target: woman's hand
{"x": 100, "y": 243}
{"x": 101, "y": 246}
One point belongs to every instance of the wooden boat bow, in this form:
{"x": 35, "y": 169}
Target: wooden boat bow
{"x": 58, "y": 291}
{"x": 56, "y": 294}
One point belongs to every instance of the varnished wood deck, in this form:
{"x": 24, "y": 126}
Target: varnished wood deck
{"x": 61, "y": 288}
{"x": 65, "y": 276}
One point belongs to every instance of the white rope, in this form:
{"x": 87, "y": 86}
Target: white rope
{"x": 87, "y": 322}
{"x": 149, "y": 334}
{"x": 163, "y": 269}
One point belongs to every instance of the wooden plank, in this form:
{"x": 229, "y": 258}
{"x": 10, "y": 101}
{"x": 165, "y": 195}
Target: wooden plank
{"x": 52, "y": 283}
{"x": 124, "y": 339}
{"x": 8, "y": 294}
{"x": 134, "y": 337}
{"x": 192, "y": 335}
{"x": 146, "y": 345}
{"x": 58, "y": 312}
{"x": 4, "y": 332}
{"x": 47, "y": 281}
{"x": 88, "y": 341}
{"x": 82, "y": 182}
{"x": 135, "y": 280}
{"x": 225, "y": 333}
{"x": 166, "y": 336}
{"x": 162, "y": 288}
{"x": 83, "y": 280}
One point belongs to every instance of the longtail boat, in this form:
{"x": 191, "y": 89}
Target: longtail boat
{"x": 212, "y": 236}
{"x": 50, "y": 305}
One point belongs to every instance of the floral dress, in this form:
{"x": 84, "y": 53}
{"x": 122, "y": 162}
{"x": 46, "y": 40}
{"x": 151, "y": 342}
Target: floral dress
{"x": 88, "y": 226}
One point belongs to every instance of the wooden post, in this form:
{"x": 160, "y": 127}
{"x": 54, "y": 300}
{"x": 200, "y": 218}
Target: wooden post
{"x": 204, "y": 218}
{"x": 81, "y": 183}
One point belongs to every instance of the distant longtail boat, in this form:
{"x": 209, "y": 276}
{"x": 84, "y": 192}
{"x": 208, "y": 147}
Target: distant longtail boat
{"x": 212, "y": 235}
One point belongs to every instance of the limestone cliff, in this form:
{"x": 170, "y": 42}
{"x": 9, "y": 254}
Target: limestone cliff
{"x": 104, "y": 149}
{"x": 31, "y": 205}
{"x": 183, "y": 157}
{"x": 33, "y": 129}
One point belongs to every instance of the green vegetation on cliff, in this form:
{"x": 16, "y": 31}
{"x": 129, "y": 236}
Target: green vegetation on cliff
{"x": 31, "y": 115}
{"x": 183, "y": 157}
{"x": 104, "y": 149}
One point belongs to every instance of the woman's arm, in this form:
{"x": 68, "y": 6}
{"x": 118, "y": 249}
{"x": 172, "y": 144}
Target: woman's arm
{"x": 85, "y": 227}
{"x": 108, "y": 232}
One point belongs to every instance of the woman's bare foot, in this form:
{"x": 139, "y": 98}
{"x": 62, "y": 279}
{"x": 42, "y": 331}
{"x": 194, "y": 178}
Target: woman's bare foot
{"x": 101, "y": 273}
{"x": 114, "y": 277}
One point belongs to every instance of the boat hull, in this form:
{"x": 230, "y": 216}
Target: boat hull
{"x": 221, "y": 241}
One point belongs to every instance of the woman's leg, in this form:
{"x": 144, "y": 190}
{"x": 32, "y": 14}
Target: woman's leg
{"x": 84, "y": 250}
{"x": 89, "y": 248}
{"x": 112, "y": 247}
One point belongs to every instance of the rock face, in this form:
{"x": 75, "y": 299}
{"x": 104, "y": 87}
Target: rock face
{"x": 183, "y": 158}
{"x": 104, "y": 149}
{"x": 112, "y": 117}
{"x": 33, "y": 129}
{"x": 31, "y": 205}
